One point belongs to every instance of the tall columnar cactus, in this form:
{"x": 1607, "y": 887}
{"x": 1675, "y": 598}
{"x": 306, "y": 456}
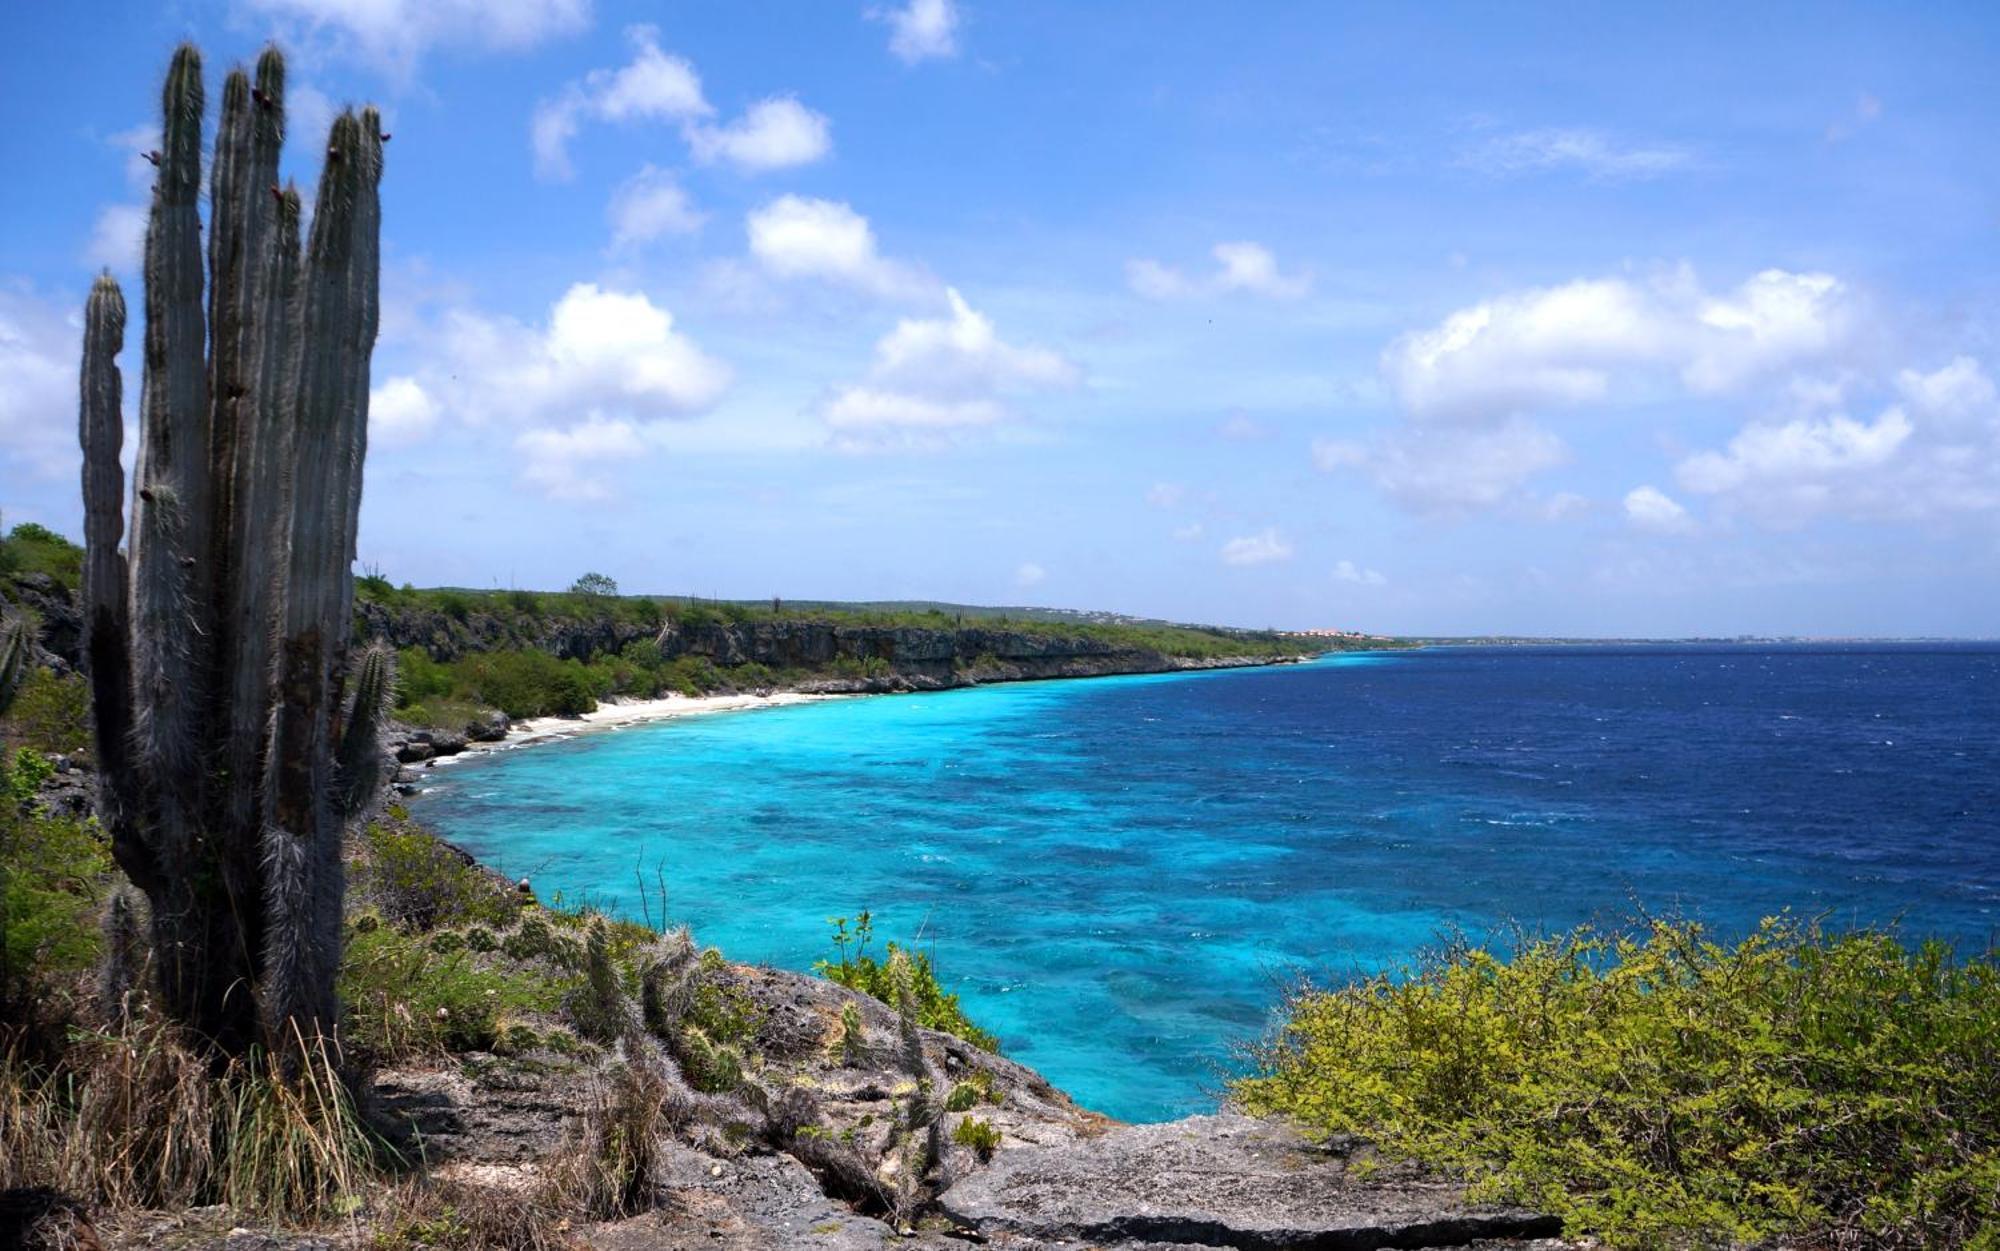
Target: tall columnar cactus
{"x": 231, "y": 754}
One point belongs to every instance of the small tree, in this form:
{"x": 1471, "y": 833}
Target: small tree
{"x": 594, "y": 584}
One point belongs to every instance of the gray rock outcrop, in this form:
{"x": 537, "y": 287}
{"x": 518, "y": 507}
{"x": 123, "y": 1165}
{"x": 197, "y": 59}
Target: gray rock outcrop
{"x": 1221, "y": 1181}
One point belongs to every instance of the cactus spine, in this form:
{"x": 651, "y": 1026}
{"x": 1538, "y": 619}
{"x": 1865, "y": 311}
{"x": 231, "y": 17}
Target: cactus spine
{"x": 230, "y": 752}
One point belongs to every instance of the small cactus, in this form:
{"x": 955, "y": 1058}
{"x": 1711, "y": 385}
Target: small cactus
{"x": 124, "y": 956}
{"x": 598, "y": 1008}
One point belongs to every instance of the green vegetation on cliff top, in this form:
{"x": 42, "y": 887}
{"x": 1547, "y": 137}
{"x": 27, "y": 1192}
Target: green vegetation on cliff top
{"x": 1658, "y": 1088}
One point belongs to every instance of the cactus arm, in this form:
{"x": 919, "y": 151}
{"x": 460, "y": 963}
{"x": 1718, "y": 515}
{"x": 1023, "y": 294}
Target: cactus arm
{"x": 106, "y": 589}
{"x": 169, "y": 524}
{"x": 303, "y": 872}
{"x": 17, "y": 647}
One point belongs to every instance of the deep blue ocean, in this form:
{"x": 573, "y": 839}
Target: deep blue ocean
{"x": 1119, "y": 874}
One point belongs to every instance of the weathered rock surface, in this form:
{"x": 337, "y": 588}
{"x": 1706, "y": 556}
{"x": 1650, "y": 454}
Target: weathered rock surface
{"x": 1221, "y": 1181}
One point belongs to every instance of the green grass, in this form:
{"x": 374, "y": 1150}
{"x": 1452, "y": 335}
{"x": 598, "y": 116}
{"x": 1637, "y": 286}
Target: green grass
{"x": 937, "y": 1008}
{"x": 1663, "y": 1089}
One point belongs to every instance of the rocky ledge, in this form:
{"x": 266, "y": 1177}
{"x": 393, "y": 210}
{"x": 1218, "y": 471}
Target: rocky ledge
{"x": 1060, "y": 1177}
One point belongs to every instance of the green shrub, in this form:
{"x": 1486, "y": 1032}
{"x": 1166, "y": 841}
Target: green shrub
{"x": 52, "y": 713}
{"x": 979, "y": 1135}
{"x": 937, "y": 1008}
{"x": 454, "y": 604}
{"x": 525, "y": 683}
{"x": 1662, "y": 1089}
{"x": 32, "y": 548}
{"x": 420, "y": 883}
{"x": 420, "y": 679}
{"x": 724, "y": 1012}
{"x": 53, "y": 875}
{"x": 402, "y": 998}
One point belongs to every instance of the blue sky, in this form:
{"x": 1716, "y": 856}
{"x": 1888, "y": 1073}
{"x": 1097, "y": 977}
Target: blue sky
{"x": 1580, "y": 319}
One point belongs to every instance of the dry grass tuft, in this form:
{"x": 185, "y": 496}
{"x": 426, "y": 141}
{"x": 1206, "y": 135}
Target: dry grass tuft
{"x": 609, "y": 1171}
{"x": 453, "y": 1214}
{"x": 136, "y": 1119}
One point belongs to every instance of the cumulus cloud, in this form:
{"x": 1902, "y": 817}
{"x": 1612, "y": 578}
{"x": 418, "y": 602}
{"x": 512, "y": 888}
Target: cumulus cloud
{"x": 1265, "y": 547}
{"x": 658, "y": 86}
{"x": 400, "y": 412}
{"x": 395, "y": 34}
{"x": 654, "y": 86}
{"x": 772, "y": 134}
{"x": 796, "y": 237}
{"x": 1030, "y": 574}
{"x": 1245, "y": 267}
{"x": 921, "y": 29}
{"x": 1558, "y": 347}
{"x": 1590, "y": 152}
{"x": 1931, "y": 454}
{"x": 1475, "y": 388}
{"x": 931, "y": 376}
{"x": 1650, "y": 508}
{"x": 1348, "y": 571}
{"x": 603, "y": 373}
{"x": 38, "y": 362}
{"x": 648, "y": 205}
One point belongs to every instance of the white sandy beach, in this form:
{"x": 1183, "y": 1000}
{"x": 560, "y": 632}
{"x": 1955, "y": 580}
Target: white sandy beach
{"x": 620, "y": 713}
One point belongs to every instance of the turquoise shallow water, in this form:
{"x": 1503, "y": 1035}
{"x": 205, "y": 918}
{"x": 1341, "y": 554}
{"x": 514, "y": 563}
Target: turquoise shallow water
{"x": 1118, "y": 874}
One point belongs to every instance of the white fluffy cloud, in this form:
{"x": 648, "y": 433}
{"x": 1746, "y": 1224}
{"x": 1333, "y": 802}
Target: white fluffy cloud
{"x": 1030, "y": 574}
{"x": 588, "y": 385}
{"x": 1245, "y": 267}
{"x": 933, "y": 375}
{"x": 1558, "y": 347}
{"x": 1267, "y": 546}
{"x": 1931, "y": 454}
{"x": 1473, "y": 388}
{"x": 658, "y": 86}
{"x": 1650, "y": 508}
{"x": 772, "y": 134}
{"x": 651, "y": 203}
{"x": 921, "y": 29}
{"x": 654, "y": 86}
{"x": 396, "y": 33}
{"x": 1592, "y": 152}
{"x": 1348, "y": 571}
{"x": 796, "y": 237}
{"x": 400, "y": 412}
{"x": 39, "y": 347}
